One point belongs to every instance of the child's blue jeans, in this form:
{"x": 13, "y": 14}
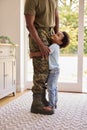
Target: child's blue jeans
{"x": 52, "y": 87}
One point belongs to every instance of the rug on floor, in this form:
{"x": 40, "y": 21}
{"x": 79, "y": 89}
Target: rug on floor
{"x": 71, "y": 114}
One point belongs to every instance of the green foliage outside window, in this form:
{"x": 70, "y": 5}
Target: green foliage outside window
{"x": 68, "y": 15}
{"x": 85, "y": 40}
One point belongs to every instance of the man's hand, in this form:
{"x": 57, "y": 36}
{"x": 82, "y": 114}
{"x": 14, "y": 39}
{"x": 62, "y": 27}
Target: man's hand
{"x": 44, "y": 50}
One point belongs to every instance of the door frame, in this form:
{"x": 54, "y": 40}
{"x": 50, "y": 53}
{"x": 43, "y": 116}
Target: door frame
{"x": 77, "y": 87}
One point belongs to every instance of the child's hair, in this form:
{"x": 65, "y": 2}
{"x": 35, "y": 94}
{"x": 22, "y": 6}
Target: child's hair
{"x": 65, "y": 40}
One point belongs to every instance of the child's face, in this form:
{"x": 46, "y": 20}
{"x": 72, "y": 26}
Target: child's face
{"x": 60, "y": 36}
{"x": 57, "y": 38}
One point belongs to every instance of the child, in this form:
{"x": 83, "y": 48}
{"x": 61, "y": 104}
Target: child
{"x": 60, "y": 40}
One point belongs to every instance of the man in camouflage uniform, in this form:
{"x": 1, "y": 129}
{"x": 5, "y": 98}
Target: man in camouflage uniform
{"x": 40, "y": 15}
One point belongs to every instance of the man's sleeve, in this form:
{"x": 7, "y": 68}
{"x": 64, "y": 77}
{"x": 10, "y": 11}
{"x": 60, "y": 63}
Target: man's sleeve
{"x": 29, "y": 7}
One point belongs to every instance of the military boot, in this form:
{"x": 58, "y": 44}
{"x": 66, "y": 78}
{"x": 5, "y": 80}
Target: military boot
{"x": 38, "y": 108}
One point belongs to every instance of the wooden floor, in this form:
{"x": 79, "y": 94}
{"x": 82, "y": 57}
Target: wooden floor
{"x": 10, "y": 97}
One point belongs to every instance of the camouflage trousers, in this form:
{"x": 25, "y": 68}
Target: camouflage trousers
{"x": 40, "y": 65}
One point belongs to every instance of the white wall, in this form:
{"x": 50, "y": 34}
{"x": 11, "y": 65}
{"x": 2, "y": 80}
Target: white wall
{"x": 10, "y": 19}
{"x": 10, "y": 23}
